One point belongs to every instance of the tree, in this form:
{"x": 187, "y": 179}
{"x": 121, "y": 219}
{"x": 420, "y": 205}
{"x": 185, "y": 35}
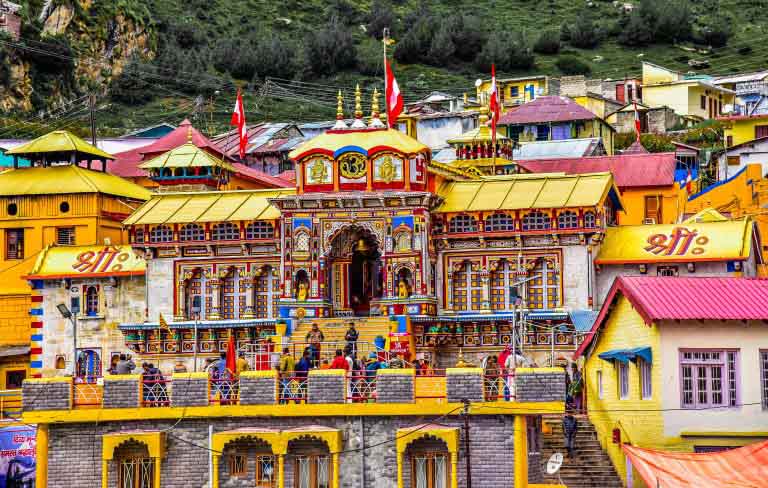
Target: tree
{"x": 370, "y": 60}
{"x": 715, "y": 35}
{"x": 275, "y": 57}
{"x": 382, "y": 16}
{"x": 637, "y": 32}
{"x": 330, "y": 49}
{"x": 441, "y": 49}
{"x": 520, "y": 52}
{"x": 494, "y": 52}
{"x": 571, "y": 65}
{"x": 657, "y": 21}
{"x": 468, "y": 36}
{"x": 548, "y": 42}
{"x": 584, "y": 33}
{"x": 416, "y": 43}
{"x": 132, "y": 87}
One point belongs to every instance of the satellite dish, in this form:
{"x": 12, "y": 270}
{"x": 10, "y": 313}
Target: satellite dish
{"x": 554, "y": 463}
{"x": 478, "y": 82}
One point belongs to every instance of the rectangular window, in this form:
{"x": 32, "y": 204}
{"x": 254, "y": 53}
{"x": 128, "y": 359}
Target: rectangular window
{"x": 65, "y": 236}
{"x": 623, "y": 380}
{"x": 514, "y": 91}
{"x": 429, "y": 470}
{"x": 764, "y": 377}
{"x": 542, "y": 132}
{"x": 599, "y": 381}
{"x": 708, "y": 378}
{"x": 237, "y": 466}
{"x": 514, "y": 132}
{"x": 734, "y": 160}
{"x": 729, "y": 141}
{"x": 667, "y": 271}
{"x": 13, "y": 379}
{"x": 645, "y": 379}
{"x": 703, "y": 102}
{"x": 14, "y": 244}
{"x": 761, "y": 131}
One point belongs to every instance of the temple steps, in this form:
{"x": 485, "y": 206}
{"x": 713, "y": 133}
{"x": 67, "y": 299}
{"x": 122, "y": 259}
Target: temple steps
{"x": 334, "y": 329}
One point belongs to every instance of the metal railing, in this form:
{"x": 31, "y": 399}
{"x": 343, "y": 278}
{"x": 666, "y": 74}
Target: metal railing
{"x": 10, "y": 404}
{"x": 155, "y": 390}
{"x": 361, "y": 387}
{"x": 327, "y": 351}
{"x": 293, "y": 389}
{"x": 499, "y": 387}
{"x": 223, "y": 389}
{"x": 87, "y": 392}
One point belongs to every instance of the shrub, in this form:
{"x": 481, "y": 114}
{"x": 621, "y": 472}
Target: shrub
{"x": 441, "y": 49}
{"x": 468, "y": 36}
{"x": 571, "y": 65}
{"x": 548, "y": 42}
{"x": 369, "y": 58}
{"x": 330, "y": 49}
{"x": 584, "y": 33}
{"x": 715, "y": 35}
{"x": 381, "y": 17}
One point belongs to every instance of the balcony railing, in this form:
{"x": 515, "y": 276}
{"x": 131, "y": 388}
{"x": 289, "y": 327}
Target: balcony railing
{"x": 155, "y": 390}
{"x": 10, "y": 404}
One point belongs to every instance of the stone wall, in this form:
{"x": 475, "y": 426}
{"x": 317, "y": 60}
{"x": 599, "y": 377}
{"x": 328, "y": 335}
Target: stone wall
{"x": 327, "y": 386}
{"x": 75, "y": 449}
{"x": 189, "y": 390}
{"x": 464, "y": 384}
{"x": 160, "y": 291}
{"x": 395, "y": 386}
{"x": 122, "y": 391}
{"x": 540, "y": 385}
{"x": 53, "y": 394}
{"x": 258, "y": 387}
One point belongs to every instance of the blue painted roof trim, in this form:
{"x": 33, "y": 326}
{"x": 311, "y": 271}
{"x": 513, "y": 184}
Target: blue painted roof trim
{"x": 347, "y": 149}
{"x": 715, "y": 185}
{"x": 202, "y": 324}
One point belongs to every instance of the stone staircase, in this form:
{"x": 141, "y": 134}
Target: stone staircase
{"x": 334, "y": 329}
{"x": 591, "y": 466}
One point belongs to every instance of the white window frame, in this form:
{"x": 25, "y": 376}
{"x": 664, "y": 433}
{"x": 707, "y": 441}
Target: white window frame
{"x": 599, "y": 381}
{"x": 622, "y": 380}
{"x": 645, "y": 370}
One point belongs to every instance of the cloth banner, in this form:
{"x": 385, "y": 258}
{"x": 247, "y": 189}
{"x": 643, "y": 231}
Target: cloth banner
{"x": 17, "y": 457}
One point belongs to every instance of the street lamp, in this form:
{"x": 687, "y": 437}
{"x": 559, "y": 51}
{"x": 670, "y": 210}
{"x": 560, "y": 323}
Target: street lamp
{"x": 67, "y": 314}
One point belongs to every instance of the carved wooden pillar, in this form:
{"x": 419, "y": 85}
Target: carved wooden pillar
{"x": 485, "y": 279}
{"x": 215, "y": 283}
{"x": 249, "y": 280}
{"x": 449, "y": 291}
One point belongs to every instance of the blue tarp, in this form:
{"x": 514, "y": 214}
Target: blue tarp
{"x": 583, "y": 319}
{"x": 627, "y": 355}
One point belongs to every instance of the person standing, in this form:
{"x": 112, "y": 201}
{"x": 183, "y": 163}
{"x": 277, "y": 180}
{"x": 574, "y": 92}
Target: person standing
{"x": 570, "y": 426}
{"x": 339, "y": 362}
{"x": 241, "y": 364}
{"x": 315, "y": 337}
{"x": 286, "y": 369}
{"x": 575, "y": 387}
{"x": 503, "y": 370}
{"x": 124, "y": 365}
{"x": 351, "y": 338}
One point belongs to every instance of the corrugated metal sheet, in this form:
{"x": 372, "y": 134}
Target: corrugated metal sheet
{"x": 66, "y": 179}
{"x": 58, "y": 141}
{"x": 526, "y": 192}
{"x": 546, "y": 109}
{"x": 186, "y": 156}
{"x": 629, "y": 170}
{"x": 567, "y": 148}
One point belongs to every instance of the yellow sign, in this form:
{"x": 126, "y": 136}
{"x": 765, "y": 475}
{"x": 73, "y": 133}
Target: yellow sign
{"x": 86, "y": 261}
{"x": 700, "y": 241}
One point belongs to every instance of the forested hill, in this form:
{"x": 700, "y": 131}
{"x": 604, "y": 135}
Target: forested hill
{"x": 154, "y": 59}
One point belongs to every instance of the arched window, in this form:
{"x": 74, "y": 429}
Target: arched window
{"x": 301, "y": 239}
{"x": 226, "y": 231}
{"x": 267, "y": 293}
{"x": 91, "y": 301}
{"x": 259, "y": 230}
{"x": 161, "y": 233}
{"x": 500, "y": 222}
{"x": 589, "y": 219}
{"x": 567, "y": 220}
{"x": 502, "y": 278}
{"x": 544, "y": 288}
{"x": 403, "y": 241}
{"x": 192, "y": 232}
{"x": 536, "y": 221}
{"x": 462, "y": 223}
{"x": 467, "y": 288}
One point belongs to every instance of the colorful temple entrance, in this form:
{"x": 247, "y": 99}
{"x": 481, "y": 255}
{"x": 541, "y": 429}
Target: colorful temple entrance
{"x": 355, "y": 271}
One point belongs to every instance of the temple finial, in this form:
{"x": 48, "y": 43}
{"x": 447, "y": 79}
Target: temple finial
{"x": 340, "y": 112}
{"x": 358, "y": 123}
{"x": 189, "y": 134}
{"x": 375, "y": 120}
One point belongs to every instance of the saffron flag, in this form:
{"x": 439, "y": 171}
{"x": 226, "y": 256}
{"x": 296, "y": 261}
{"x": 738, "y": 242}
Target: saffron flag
{"x": 394, "y": 98}
{"x": 238, "y": 120}
{"x": 688, "y": 181}
{"x": 163, "y": 323}
{"x": 231, "y": 359}
{"x": 637, "y": 122}
{"x": 494, "y": 105}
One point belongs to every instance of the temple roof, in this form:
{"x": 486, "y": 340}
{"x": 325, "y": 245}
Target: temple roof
{"x": 213, "y": 206}
{"x": 517, "y": 192}
{"x": 367, "y": 141}
{"x": 67, "y": 179}
{"x": 178, "y": 137}
{"x": 59, "y": 142}
{"x": 482, "y": 133}
{"x": 186, "y": 156}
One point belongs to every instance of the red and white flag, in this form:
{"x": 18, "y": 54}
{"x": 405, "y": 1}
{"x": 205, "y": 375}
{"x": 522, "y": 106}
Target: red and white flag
{"x": 394, "y": 98}
{"x": 494, "y": 105}
{"x": 637, "y": 122}
{"x": 688, "y": 181}
{"x": 238, "y": 120}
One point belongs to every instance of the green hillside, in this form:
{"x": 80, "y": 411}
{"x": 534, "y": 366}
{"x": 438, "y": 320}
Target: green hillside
{"x": 291, "y": 57}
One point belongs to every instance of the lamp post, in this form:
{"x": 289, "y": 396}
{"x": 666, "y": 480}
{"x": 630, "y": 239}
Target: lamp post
{"x": 67, "y": 314}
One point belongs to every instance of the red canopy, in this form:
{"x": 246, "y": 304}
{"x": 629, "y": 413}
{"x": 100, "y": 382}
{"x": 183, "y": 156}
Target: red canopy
{"x": 744, "y": 467}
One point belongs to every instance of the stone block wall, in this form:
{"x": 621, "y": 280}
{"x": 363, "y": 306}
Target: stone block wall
{"x": 47, "y": 394}
{"x": 540, "y": 385}
{"x": 189, "y": 390}
{"x": 75, "y": 450}
{"x": 258, "y": 387}
{"x": 327, "y": 386}
{"x": 122, "y": 391}
{"x": 395, "y": 386}
{"x": 464, "y": 383}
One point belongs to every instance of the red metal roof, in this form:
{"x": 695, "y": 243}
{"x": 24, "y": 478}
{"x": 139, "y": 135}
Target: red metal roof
{"x": 674, "y": 298}
{"x": 260, "y": 176}
{"x": 546, "y": 109}
{"x": 179, "y": 136}
{"x": 629, "y": 170}
{"x": 635, "y": 148}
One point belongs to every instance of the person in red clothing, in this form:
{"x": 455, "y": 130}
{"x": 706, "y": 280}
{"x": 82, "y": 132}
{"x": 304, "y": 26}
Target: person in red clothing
{"x": 339, "y": 362}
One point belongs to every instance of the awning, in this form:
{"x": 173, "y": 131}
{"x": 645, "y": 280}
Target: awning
{"x": 7, "y": 351}
{"x": 744, "y": 467}
{"x": 627, "y": 355}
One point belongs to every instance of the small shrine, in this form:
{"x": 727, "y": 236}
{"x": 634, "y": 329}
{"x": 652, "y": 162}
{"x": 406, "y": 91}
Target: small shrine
{"x": 477, "y": 152}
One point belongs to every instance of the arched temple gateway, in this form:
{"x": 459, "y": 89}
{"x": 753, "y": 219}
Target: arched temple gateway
{"x": 374, "y": 232}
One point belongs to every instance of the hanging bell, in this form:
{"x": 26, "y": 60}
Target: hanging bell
{"x": 362, "y": 246}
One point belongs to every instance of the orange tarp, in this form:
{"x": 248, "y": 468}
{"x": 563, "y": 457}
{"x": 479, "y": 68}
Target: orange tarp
{"x": 744, "y": 467}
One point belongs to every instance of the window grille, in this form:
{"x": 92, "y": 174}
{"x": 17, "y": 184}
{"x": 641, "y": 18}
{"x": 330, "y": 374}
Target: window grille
{"x": 14, "y": 243}
{"x": 161, "y": 233}
{"x": 65, "y": 236}
{"x": 462, "y": 223}
{"x": 259, "y": 230}
{"x": 500, "y": 223}
{"x": 708, "y": 378}
{"x": 192, "y": 232}
{"x": 567, "y": 220}
{"x": 589, "y": 219}
{"x": 536, "y": 221}
{"x": 226, "y": 231}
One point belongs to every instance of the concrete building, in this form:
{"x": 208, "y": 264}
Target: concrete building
{"x": 678, "y": 364}
{"x": 734, "y": 159}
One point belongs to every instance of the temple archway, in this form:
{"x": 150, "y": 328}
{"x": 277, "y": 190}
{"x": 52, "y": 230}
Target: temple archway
{"x": 354, "y": 270}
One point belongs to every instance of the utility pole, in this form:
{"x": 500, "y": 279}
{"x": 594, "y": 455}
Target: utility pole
{"x": 465, "y": 414}
{"x": 91, "y": 107}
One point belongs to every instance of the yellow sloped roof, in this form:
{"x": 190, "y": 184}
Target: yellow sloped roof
{"x": 56, "y": 262}
{"x": 58, "y": 141}
{"x": 480, "y": 134}
{"x": 512, "y": 192}
{"x": 686, "y": 242}
{"x": 706, "y": 215}
{"x": 330, "y": 142}
{"x": 186, "y": 156}
{"x": 215, "y": 206}
{"x": 65, "y": 179}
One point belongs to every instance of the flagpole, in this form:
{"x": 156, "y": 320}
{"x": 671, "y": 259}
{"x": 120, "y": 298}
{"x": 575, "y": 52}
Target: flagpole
{"x": 384, "y": 37}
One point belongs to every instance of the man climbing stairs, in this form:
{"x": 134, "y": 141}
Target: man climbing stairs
{"x": 590, "y": 467}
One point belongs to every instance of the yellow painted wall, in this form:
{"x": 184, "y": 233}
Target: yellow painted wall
{"x": 591, "y": 128}
{"x": 506, "y": 87}
{"x": 14, "y": 319}
{"x": 658, "y": 74}
{"x": 593, "y": 104}
{"x": 624, "y": 329}
{"x": 633, "y": 200}
{"x": 743, "y": 130}
{"x": 684, "y": 98}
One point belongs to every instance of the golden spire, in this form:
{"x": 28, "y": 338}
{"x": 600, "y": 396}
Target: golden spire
{"x": 189, "y": 133}
{"x": 358, "y": 103}
{"x": 375, "y": 120}
{"x": 340, "y": 124}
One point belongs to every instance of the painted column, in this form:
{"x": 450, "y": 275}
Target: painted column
{"x": 335, "y": 477}
{"x": 249, "y": 281}
{"x": 104, "y": 472}
{"x": 180, "y": 300}
{"x": 321, "y": 272}
{"x": 449, "y": 292}
{"x": 485, "y": 280}
{"x": 157, "y": 473}
{"x": 215, "y": 474}
{"x": 41, "y": 453}
{"x": 280, "y": 470}
{"x": 454, "y": 470}
{"x": 521, "y": 452}
{"x": 399, "y": 470}
{"x": 215, "y": 298}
